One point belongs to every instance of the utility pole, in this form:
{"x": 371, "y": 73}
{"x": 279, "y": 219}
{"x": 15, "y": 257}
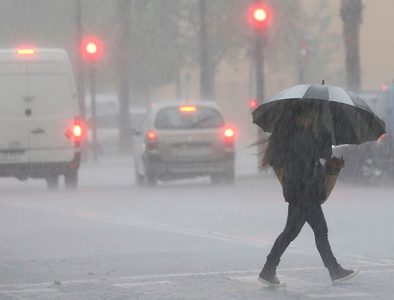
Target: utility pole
{"x": 80, "y": 70}
{"x": 351, "y": 14}
{"x": 207, "y": 76}
{"x": 124, "y": 36}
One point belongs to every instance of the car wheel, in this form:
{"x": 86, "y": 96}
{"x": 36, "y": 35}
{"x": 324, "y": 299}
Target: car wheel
{"x": 71, "y": 179}
{"x": 215, "y": 179}
{"x": 139, "y": 179}
{"x": 229, "y": 177}
{"x": 52, "y": 183}
{"x": 150, "y": 176}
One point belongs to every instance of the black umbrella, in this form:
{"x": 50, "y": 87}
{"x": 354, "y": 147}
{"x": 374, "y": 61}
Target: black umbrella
{"x": 343, "y": 113}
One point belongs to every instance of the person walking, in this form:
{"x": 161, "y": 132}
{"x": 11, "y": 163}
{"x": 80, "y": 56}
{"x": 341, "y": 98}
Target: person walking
{"x": 295, "y": 149}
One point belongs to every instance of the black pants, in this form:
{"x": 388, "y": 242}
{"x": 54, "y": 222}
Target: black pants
{"x": 296, "y": 218}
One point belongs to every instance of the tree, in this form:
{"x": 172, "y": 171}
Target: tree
{"x": 156, "y": 44}
{"x": 207, "y": 79}
{"x": 123, "y": 64}
{"x": 322, "y": 44}
{"x": 351, "y": 14}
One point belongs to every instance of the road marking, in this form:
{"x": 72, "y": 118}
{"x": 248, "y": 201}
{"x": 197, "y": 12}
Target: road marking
{"x": 118, "y": 280}
{"x": 355, "y": 258}
{"x": 338, "y": 295}
{"x": 45, "y": 290}
{"x": 134, "y": 284}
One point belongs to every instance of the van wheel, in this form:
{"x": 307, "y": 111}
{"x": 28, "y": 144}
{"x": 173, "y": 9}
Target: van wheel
{"x": 229, "y": 177}
{"x": 71, "y": 179}
{"x": 52, "y": 183}
{"x": 215, "y": 179}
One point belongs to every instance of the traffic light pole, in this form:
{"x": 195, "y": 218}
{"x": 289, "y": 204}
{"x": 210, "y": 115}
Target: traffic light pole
{"x": 259, "y": 66}
{"x": 259, "y": 77}
{"x": 259, "y": 17}
{"x": 80, "y": 72}
{"x": 92, "y": 77}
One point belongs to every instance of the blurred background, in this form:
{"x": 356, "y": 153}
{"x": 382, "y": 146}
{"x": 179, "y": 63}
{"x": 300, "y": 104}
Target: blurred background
{"x": 156, "y": 50}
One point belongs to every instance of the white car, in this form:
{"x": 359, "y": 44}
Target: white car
{"x": 182, "y": 141}
{"x": 40, "y": 128}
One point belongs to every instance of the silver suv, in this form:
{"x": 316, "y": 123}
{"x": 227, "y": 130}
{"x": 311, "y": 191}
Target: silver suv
{"x": 183, "y": 141}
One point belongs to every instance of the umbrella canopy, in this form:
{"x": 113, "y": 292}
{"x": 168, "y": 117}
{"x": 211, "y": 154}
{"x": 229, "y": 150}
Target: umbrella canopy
{"x": 343, "y": 113}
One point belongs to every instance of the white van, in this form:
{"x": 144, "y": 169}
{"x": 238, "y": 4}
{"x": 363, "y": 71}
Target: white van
{"x": 40, "y": 128}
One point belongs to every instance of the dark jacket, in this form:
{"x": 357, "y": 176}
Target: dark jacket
{"x": 304, "y": 174}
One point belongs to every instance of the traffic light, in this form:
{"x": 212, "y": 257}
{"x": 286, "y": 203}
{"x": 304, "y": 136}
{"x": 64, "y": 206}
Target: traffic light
{"x": 252, "y": 103}
{"x": 92, "y": 49}
{"x": 259, "y": 15}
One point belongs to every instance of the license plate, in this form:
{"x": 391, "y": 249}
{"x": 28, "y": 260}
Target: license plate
{"x": 188, "y": 150}
{"x": 14, "y": 152}
{"x": 10, "y": 157}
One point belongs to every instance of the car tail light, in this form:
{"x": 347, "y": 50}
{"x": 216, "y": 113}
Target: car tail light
{"x": 229, "y": 136}
{"x": 151, "y": 140}
{"x": 77, "y": 131}
{"x": 383, "y": 138}
{"x": 229, "y": 133}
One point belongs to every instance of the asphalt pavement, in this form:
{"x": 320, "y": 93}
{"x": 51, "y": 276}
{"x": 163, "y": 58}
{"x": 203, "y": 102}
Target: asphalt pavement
{"x": 111, "y": 239}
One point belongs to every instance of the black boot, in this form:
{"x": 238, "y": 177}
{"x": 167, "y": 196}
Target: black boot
{"x": 268, "y": 277}
{"x": 339, "y": 274}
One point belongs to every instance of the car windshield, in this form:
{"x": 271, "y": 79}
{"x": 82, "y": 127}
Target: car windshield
{"x": 201, "y": 118}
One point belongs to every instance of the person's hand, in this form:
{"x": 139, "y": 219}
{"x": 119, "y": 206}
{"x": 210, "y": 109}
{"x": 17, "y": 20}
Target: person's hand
{"x": 336, "y": 162}
{"x": 334, "y": 165}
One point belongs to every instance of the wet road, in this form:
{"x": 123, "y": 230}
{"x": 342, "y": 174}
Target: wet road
{"x": 184, "y": 240}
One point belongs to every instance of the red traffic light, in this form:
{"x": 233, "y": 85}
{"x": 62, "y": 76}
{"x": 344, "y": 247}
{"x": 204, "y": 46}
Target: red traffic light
{"x": 92, "y": 49}
{"x": 252, "y": 103}
{"x": 259, "y": 15}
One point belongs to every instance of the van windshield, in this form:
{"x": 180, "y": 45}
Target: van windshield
{"x": 201, "y": 118}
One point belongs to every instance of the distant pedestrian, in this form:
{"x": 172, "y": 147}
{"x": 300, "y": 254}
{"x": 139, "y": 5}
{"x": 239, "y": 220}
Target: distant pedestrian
{"x": 295, "y": 150}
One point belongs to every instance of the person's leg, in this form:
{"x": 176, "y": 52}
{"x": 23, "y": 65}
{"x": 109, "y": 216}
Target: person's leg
{"x": 296, "y": 219}
{"x": 317, "y": 221}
